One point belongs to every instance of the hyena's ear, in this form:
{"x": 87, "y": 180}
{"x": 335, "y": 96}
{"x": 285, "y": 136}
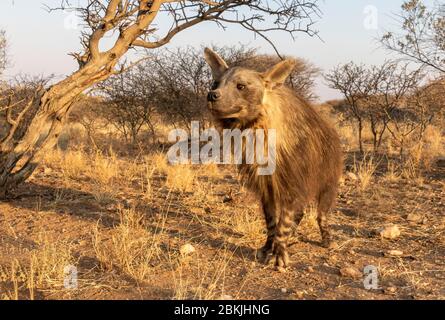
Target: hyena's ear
{"x": 216, "y": 63}
{"x": 278, "y": 74}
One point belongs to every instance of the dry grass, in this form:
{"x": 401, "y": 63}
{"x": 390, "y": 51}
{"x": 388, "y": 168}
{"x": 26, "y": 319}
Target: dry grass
{"x": 75, "y": 163}
{"x": 148, "y": 170}
{"x": 207, "y": 280}
{"x": 392, "y": 174}
{"x": 432, "y": 147}
{"x": 248, "y": 223}
{"x": 72, "y": 163}
{"x": 365, "y": 171}
{"x": 130, "y": 246}
{"x": 210, "y": 170}
{"x": 47, "y": 263}
{"x": 412, "y": 171}
{"x": 103, "y": 169}
{"x": 42, "y": 268}
{"x": 180, "y": 177}
{"x": 159, "y": 162}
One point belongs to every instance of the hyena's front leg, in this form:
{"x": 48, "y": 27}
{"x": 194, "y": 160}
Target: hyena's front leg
{"x": 269, "y": 211}
{"x": 281, "y": 239}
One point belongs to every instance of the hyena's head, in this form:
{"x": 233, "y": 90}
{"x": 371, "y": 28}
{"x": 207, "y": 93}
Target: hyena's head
{"x": 238, "y": 94}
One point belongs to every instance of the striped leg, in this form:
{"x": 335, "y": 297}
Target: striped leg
{"x": 283, "y": 231}
{"x": 269, "y": 211}
{"x": 324, "y": 230}
{"x": 326, "y": 201}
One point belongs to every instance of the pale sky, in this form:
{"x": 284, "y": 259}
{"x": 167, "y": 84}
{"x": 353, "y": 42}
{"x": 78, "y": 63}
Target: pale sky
{"x": 39, "y": 42}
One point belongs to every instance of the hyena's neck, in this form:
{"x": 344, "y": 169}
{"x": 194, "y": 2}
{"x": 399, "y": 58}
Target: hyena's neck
{"x": 271, "y": 116}
{"x": 270, "y": 119}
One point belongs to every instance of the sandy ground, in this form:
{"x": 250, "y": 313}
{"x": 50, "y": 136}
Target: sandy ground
{"x": 48, "y": 217}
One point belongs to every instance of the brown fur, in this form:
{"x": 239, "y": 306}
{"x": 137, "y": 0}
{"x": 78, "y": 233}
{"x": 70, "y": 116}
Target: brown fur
{"x": 308, "y": 153}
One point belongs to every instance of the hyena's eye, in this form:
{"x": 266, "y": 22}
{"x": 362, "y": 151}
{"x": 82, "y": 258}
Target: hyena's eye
{"x": 240, "y": 86}
{"x": 214, "y": 85}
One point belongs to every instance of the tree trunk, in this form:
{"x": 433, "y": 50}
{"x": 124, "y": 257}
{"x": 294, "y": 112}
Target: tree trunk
{"x": 19, "y": 158}
{"x": 382, "y": 132}
{"x": 134, "y": 135}
{"x": 374, "y": 134}
{"x": 360, "y": 131}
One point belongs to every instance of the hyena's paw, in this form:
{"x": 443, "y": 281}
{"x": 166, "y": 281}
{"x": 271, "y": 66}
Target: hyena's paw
{"x": 329, "y": 244}
{"x": 264, "y": 254}
{"x": 281, "y": 259}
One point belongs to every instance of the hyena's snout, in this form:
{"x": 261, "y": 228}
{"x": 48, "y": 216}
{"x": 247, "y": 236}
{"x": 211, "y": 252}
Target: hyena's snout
{"x": 214, "y": 95}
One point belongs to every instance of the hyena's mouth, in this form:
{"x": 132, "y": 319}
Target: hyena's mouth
{"x": 226, "y": 113}
{"x": 229, "y": 122}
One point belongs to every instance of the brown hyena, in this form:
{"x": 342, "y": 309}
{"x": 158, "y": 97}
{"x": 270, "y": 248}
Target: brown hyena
{"x": 308, "y": 152}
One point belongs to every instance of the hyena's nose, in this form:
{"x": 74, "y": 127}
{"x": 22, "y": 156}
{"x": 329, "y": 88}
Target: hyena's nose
{"x": 214, "y": 95}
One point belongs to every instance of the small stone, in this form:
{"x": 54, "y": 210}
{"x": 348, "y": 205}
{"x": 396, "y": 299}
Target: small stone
{"x": 349, "y": 201}
{"x": 283, "y": 290}
{"x": 333, "y": 245}
{"x": 390, "y": 290}
{"x": 299, "y": 295}
{"x": 390, "y": 232}
{"x": 413, "y": 217}
{"x": 395, "y": 253}
{"x": 351, "y": 272}
{"x": 310, "y": 269}
{"x": 47, "y": 170}
{"x": 351, "y": 251}
{"x": 351, "y": 176}
{"x": 187, "y": 249}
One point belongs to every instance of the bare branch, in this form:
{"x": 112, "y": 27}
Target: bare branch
{"x": 422, "y": 38}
